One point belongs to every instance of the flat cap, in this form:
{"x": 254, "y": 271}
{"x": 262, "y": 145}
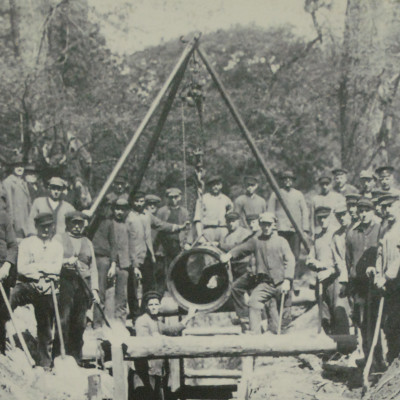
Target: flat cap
{"x": 339, "y": 171}
{"x": 121, "y": 179}
{"x": 267, "y": 217}
{"x": 251, "y": 217}
{"x": 341, "y": 208}
{"x": 366, "y": 174}
{"x": 173, "y": 192}
{"x": 250, "y": 180}
{"x": 322, "y": 211}
{"x": 75, "y": 216}
{"x": 384, "y": 170}
{"x": 30, "y": 168}
{"x": 120, "y": 202}
{"x": 232, "y": 216}
{"x": 214, "y": 179}
{"x": 17, "y": 160}
{"x": 151, "y": 294}
{"x": 287, "y": 174}
{"x": 352, "y": 198}
{"x": 44, "y": 218}
{"x": 366, "y": 203}
{"x": 152, "y": 199}
{"x": 378, "y": 193}
{"x": 387, "y": 199}
{"x": 57, "y": 181}
{"x": 324, "y": 179}
{"x": 138, "y": 195}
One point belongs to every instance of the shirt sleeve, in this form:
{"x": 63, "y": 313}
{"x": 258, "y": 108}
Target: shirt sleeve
{"x": 112, "y": 241}
{"x": 244, "y": 249}
{"x": 198, "y": 212}
{"x": 272, "y": 203}
{"x": 11, "y": 240}
{"x": 339, "y": 262}
{"x": 162, "y": 226}
{"x": 289, "y": 261}
{"x": 55, "y": 260}
{"x": 305, "y": 217}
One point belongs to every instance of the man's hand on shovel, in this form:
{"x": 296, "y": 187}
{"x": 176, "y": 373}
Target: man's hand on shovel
{"x": 4, "y": 271}
{"x": 95, "y": 296}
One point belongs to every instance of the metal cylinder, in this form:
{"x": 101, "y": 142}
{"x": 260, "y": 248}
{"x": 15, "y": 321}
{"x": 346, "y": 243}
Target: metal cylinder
{"x": 197, "y": 278}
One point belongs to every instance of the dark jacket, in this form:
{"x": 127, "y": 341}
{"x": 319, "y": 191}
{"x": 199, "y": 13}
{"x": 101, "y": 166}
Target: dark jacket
{"x": 8, "y": 245}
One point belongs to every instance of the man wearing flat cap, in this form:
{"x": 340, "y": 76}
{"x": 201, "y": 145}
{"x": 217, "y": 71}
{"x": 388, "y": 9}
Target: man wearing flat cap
{"x": 39, "y": 259}
{"x": 340, "y": 182}
{"x": 385, "y": 177}
{"x": 321, "y": 259}
{"x": 361, "y": 253}
{"x": 250, "y": 202}
{"x": 79, "y": 266}
{"x": 327, "y": 198}
{"x": 367, "y": 181}
{"x": 386, "y": 275}
{"x": 274, "y": 273}
{"x": 18, "y": 198}
{"x": 53, "y": 203}
{"x": 351, "y": 203}
{"x": 169, "y": 244}
{"x": 296, "y": 203}
{"x": 210, "y": 211}
{"x": 119, "y": 189}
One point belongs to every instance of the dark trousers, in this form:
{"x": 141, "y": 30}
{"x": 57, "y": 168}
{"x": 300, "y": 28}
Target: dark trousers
{"x": 293, "y": 240}
{"x": 74, "y": 303}
{"x": 4, "y": 317}
{"x": 103, "y": 265}
{"x": 391, "y": 324}
{"x": 26, "y": 293}
{"x": 121, "y": 294}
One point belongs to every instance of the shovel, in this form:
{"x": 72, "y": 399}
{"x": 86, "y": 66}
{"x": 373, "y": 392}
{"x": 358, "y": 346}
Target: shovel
{"x": 281, "y": 312}
{"x": 375, "y": 338}
{"x": 320, "y": 290}
{"x": 66, "y": 361}
{"x": 19, "y": 334}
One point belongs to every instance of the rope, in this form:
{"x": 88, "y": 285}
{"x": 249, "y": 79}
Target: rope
{"x": 184, "y": 155}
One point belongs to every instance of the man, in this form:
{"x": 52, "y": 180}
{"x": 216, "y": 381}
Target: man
{"x": 274, "y": 272}
{"x": 250, "y": 202}
{"x": 341, "y": 186}
{"x": 236, "y": 235}
{"x": 148, "y": 374}
{"x": 361, "y": 252}
{"x": 367, "y": 183}
{"x": 385, "y": 176}
{"x": 386, "y": 274}
{"x": 252, "y": 222}
{"x": 321, "y": 259}
{"x": 296, "y": 203}
{"x": 351, "y": 203}
{"x": 18, "y": 198}
{"x": 119, "y": 190}
{"x": 79, "y": 263}
{"x": 169, "y": 244}
{"x": 209, "y": 216}
{"x": 8, "y": 270}
{"x": 39, "y": 259}
{"x": 34, "y": 186}
{"x": 53, "y": 203}
{"x": 151, "y": 203}
{"x": 327, "y": 198}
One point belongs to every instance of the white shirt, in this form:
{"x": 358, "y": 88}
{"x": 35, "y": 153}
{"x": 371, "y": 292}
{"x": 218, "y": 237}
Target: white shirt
{"x": 211, "y": 210}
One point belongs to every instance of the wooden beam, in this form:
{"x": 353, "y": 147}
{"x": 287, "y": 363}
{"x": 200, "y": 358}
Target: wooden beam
{"x": 156, "y": 102}
{"x": 119, "y": 374}
{"x": 252, "y": 144}
{"x": 227, "y": 345}
{"x": 213, "y": 373}
{"x": 212, "y": 331}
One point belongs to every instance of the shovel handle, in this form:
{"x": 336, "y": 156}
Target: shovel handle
{"x": 281, "y": 312}
{"x": 320, "y": 290}
{"x": 19, "y": 334}
{"x": 58, "y": 320}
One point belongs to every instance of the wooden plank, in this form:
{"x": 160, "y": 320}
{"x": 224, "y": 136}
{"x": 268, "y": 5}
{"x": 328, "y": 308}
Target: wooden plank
{"x": 211, "y": 331}
{"x": 174, "y": 378}
{"x": 94, "y": 387}
{"x": 213, "y": 373}
{"x": 227, "y": 345}
{"x": 119, "y": 374}
{"x": 247, "y": 374}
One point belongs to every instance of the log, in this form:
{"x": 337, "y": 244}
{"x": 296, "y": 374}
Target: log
{"x": 227, "y": 345}
{"x": 212, "y": 373}
{"x": 212, "y": 331}
{"x": 119, "y": 374}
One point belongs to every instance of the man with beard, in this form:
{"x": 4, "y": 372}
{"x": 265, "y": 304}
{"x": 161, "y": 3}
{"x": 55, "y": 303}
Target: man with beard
{"x": 249, "y": 203}
{"x": 296, "y": 203}
{"x": 361, "y": 252}
{"x": 341, "y": 186}
{"x": 209, "y": 216}
{"x": 39, "y": 257}
{"x": 53, "y": 203}
{"x": 386, "y": 274}
{"x": 18, "y": 198}
{"x": 8, "y": 270}
{"x": 79, "y": 264}
{"x": 367, "y": 184}
{"x": 274, "y": 273}
{"x": 327, "y": 198}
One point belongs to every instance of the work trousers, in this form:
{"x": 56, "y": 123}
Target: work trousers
{"x": 4, "y": 317}
{"x": 293, "y": 240}
{"x": 74, "y": 302}
{"x": 121, "y": 294}
{"x": 25, "y": 293}
{"x": 335, "y": 310}
{"x": 103, "y": 265}
{"x": 391, "y": 325}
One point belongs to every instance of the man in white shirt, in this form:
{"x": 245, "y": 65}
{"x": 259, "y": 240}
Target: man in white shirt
{"x": 39, "y": 257}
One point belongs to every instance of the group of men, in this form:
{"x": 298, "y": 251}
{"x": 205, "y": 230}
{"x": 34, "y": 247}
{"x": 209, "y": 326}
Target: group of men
{"x": 354, "y": 252}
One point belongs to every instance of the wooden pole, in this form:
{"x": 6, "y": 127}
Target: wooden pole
{"x": 227, "y": 345}
{"x": 160, "y": 125}
{"x": 119, "y": 374}
{"x": 252, "y": 144}
{"x": 247, "y": 374}
{"x": 187, "y": 52}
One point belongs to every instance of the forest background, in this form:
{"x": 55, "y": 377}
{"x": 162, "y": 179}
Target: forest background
{"x": 311, "y": 104}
